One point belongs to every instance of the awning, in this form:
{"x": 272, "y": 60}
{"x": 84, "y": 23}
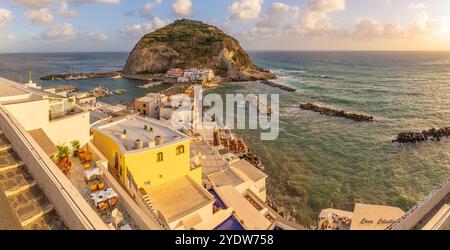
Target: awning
{"x": 44, "y": 141}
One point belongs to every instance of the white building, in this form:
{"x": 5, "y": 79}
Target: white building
{"x": 197, "y": 75}
{"x": 59, "y": 118}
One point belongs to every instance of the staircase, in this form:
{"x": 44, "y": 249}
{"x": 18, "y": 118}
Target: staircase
{"x": 31, "y": 206}
{"x": 149, "y": 204}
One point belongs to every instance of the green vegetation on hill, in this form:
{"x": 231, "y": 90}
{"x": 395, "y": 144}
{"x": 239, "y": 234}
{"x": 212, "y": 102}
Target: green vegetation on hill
{"x": 195, "y": 41}
{"x": 189, "y": 43}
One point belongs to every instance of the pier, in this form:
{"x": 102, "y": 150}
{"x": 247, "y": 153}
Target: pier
{"x": 426, "y": 135}
{"x": 336, "y": 113}
{"x": 277, "y": 85}
{"x": 80, "y": 76}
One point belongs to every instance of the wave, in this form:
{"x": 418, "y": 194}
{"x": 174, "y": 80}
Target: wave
{"x": 440, "y": 62}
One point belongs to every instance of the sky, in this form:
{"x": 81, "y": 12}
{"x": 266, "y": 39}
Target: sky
{"x": 116, "y": 25}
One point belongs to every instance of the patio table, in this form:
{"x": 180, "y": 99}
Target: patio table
{"x": 92, "y": 173}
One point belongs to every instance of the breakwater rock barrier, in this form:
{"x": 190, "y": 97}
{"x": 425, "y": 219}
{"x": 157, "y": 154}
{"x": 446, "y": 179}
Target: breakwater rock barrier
{"x": 80, "y": 76}
{"x": 336, "y": 113}
{"x": 425, "y": 135}
{"x": 277, "y": 85}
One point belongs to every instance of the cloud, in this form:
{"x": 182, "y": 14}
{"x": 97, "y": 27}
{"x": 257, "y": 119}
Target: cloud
{"x": 326, "y": 6}
{"x": 5, "y": 17}
{"x": 65, "y": 12}
{"x": 417, "y": 6}
{"x": 316, "y": 15}
{"x": 245, "y": 9}
{"x": 61, "y": 32}
{"x": 98, "y": 1}
{"x": 95, "y": 36}
{"x": 275, "y": 15}
{"x": 67, "y": 32}
{"x": 39, "y": 17}
{"x": 9, "y": 37}
{"x": 148, "y": 7}
{"x": 182, "y": 8}
{"x": 421, "y": 26}
{"x": 35, "y": 4}
{"x": 136, "y": 31}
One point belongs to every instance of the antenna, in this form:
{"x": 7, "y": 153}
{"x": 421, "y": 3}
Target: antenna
{"x": 29, "y": 77}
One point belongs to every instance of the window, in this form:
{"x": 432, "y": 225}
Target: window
{"x": 145, "y": 105}
{"x": 180, "y": 150}
{"x": 159, "y": 157}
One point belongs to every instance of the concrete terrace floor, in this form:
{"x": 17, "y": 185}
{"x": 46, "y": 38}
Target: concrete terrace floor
{"x": 76, "y": 176}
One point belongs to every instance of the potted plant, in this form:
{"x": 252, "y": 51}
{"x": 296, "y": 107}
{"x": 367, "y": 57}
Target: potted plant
{"x": 75, "y": 147}
{"x": 63, "y": 158}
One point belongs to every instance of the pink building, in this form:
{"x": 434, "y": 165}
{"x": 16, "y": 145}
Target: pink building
{"x": 175, "y": 73}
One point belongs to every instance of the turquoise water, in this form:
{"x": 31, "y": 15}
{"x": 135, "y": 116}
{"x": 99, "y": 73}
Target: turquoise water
{"x": 318, "y": 161}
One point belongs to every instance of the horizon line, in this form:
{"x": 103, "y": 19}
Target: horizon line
{"x": 250, "y": 50}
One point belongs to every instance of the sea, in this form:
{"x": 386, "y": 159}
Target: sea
{"x": 318, "y": 161}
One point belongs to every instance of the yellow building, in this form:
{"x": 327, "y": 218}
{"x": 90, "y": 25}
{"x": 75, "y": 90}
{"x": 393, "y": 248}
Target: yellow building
{"x": 153, "y": 162}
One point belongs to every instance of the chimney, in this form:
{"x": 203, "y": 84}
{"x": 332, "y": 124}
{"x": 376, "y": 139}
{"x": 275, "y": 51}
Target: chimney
{"x": 124, "y": 134}
{"x": 158, "y": 140}
{"x": 138, "y": 144}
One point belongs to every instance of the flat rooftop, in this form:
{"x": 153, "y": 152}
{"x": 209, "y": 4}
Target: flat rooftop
{"x": 13, "y": 92}
{"x": 179, "y": 198}
{"x": 249, "y": 170}
{"x": 374, "y": 217}
{"x": 225, "y": 177}
{"x": 245, "y": 211}
{"x": 210, "y": 162}
{"x": 9, "y": 89}
{"x": 134, "y": 126}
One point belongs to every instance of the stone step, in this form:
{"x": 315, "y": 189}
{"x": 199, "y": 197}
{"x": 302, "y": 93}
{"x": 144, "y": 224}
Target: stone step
{"x": 30, "y": 205}
{"x": 31, "y": 218}
{"x": 9, "y": 159}
{"x": 5, "y": 147}
{"x": 16, "y": 180}
{"x": 13, "y": 166}
{"x": 50, "y": 221}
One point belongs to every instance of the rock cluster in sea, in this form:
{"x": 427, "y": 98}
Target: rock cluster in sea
{"x": 430, "y": 134}
{"x": 254, "y": 160}
{"x": 336, "y": 113}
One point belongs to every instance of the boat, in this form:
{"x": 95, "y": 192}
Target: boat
{"x": 149, "y": 85}
{"x": 116, "y": 77}
{"x": 120, "y": 91}
{"x": 100, "y": 92}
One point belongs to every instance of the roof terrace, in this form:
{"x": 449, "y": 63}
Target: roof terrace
{"x": 179, "y": 198}
{"x": 13, "y": 92}
{"x": 132, "y": 129}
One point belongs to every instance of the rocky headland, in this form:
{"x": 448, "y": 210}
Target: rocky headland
{"x": 193, "y": 44}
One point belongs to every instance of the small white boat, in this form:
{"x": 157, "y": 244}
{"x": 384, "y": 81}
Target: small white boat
{"x": 116, "y": 77}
